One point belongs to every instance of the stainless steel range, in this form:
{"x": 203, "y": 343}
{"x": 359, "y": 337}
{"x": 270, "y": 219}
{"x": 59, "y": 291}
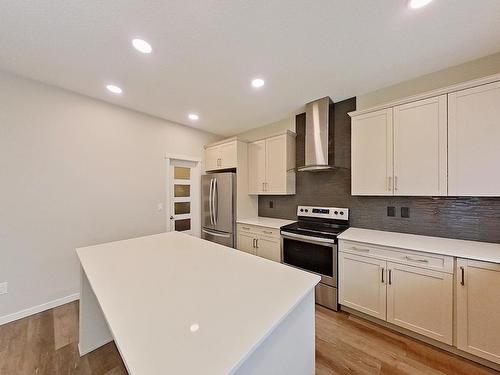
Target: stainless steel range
{"x": 311, "y": 244}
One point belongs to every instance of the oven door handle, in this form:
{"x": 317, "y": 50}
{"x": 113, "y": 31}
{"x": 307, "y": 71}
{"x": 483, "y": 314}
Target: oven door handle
{"x": 307, "y": 238}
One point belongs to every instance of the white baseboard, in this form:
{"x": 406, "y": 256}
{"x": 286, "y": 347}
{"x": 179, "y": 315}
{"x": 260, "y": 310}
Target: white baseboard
{"x": 36, "y": 309}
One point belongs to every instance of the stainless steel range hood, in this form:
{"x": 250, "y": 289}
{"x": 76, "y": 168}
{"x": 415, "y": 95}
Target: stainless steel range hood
{"x": 317, "y": 136}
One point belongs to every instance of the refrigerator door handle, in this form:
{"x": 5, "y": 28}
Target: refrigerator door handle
{"x": 216, "y": 205}
{"x": 210, "y": 201}
{"x": 215, "y": 234}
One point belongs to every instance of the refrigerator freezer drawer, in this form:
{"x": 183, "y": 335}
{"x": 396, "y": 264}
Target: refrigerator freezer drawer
{"x": 226, "y": 239}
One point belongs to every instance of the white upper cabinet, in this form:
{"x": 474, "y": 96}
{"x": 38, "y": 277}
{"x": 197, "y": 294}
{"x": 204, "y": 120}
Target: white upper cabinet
{"x": 221, "y": 155}
{"x": 271, "y": 164}
{"x": 256, "y": 166}
{"x": 474, "y": 141}
{"x": 420, "y": 142}
{"x": 371, "y": 143}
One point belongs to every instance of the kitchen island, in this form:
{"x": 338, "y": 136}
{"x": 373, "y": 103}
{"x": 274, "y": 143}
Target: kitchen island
{"x": 176, "y": 304}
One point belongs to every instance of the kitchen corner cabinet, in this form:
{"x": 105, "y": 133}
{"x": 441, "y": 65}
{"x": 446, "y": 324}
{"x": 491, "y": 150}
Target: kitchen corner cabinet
{"x": 473, "y": 141}
{"x": 478, "y": 308}
{"x": 271, "y": 165}
{"x": 260, "y": 241}
{"x": 401, "y": 150}
{"x": 221, "y": 155}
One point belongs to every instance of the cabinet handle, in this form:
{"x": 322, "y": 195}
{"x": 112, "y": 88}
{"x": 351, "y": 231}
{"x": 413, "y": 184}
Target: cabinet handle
{"x": 360, "y": 249}
{"x": 263, "y": 186}
{"x": 253, "y": 243}
{"x": 462, "y": 271}
{"x": 256, "y": 243}
{"x": 383, "y": 270}
{"x": 390, "y": 277}
{"x": 395, "y": 183}
{"x": 267, "y": 232}
{"x": 389, "y": 180}
{"x": 410, "y": 259}
{"x": 246, "y": 228}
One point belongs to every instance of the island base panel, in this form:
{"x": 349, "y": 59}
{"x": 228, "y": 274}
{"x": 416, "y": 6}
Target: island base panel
{"x": 94, "y": 331}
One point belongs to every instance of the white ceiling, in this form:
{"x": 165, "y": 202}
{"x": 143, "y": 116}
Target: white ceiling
{"x": 207, "y": 51}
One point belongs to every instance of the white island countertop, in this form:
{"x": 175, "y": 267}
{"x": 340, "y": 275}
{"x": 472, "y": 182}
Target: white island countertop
{"x": 483, "y": 251}
{"x": 267, "y": 222}
{"x": 176, "y": 304}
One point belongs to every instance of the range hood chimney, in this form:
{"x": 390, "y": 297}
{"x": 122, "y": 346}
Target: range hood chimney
{"x": 317, "y": 136}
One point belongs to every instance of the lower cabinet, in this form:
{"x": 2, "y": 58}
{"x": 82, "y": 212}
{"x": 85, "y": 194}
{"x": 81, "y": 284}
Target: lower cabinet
{"x": 246, "y": 243}
{"x": 415, "y": 298}
{"x": 478, "y": 308}
{"x": 362, "y": 284}
{"x": 259, "y": 241}
{"x": 421, "y": 301}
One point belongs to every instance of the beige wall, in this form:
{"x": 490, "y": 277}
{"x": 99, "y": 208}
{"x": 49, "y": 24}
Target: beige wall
{"x": 482, "y": 67}
{"x": 267, "y": 130}
{"x": 73, "y": 172}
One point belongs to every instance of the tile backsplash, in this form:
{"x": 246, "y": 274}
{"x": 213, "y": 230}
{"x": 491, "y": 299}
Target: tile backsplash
{"x": 470, "y": 218}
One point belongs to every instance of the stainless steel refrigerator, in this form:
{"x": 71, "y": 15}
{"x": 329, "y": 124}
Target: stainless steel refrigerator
{"x": 218, "y": 207}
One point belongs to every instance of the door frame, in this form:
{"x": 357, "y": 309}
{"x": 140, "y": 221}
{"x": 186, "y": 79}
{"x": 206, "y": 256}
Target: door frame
{"x": 196, "y": 191}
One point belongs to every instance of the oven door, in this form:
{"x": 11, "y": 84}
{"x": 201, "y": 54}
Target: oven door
{"x": 317, "y": 255}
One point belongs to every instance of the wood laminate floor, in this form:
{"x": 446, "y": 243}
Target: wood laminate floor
{"x": 46, "y": 344}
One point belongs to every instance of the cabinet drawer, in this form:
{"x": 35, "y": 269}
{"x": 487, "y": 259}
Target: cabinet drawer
{"x": 414, "y": 258}
{"x": 262, "y": 231}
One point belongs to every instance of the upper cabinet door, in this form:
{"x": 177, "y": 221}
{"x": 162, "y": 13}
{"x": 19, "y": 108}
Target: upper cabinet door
{"x": 473, "y": 141}
{"x": 256, "y": 167}
{"x": 228, "y": 155}
{"x": 420, "y": 147}
{"x": 372, "y": 153}
{"x": 211, "y": 158}
{"x": 276, "y": 166}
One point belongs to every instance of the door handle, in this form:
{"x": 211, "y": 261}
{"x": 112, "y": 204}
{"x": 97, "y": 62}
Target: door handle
{"x": 410, "y": 259}
{"x": 216, "y": 234}
{"x": 383, "y": 270}
{"x": 210, "y": 209}
{"x": 390, "y": 277}
{"x": 360, "y": 249}
{"x": 216, "y": 206}
{"x": 462, "y": 271}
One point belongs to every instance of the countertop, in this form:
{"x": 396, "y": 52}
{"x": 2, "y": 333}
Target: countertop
{"x": 483, "y": 251}
{"x": 155, "y": 291}
{"x": 267, "y": 222}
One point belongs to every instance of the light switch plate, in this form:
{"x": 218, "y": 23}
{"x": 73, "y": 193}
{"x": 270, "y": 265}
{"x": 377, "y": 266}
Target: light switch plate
{"x": 3, "y": 288}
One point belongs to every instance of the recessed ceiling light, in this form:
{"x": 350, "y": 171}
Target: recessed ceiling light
{"x": 114, "y": 89}
{"x": 415, "y": 4}
{"x": 193, "y": 116}
{"x": 258, "y": 82}
{"x": 142, "y": 46}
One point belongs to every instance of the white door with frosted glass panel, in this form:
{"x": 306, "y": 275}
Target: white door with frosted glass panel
{"x": 181, "y": 191}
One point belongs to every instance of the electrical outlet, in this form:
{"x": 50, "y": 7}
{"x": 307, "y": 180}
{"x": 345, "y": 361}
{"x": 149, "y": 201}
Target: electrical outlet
{"x": 3, "y": 288}
{"x": 271, "y": 204}
{"x": 405, "y": 212}
{"x": 391, "y": 211}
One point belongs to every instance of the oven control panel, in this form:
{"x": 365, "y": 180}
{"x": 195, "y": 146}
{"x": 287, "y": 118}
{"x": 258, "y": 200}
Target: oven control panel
{"x": 324, "y": 212}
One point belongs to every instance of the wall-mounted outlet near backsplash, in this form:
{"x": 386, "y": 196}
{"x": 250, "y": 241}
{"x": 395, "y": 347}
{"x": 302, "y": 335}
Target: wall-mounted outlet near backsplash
{"x": 470, "y": 218}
